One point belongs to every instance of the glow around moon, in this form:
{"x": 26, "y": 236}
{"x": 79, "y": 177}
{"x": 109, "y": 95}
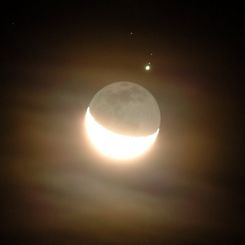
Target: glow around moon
{"x": 114, "y": 145}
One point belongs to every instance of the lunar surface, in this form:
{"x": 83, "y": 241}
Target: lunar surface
{"x": 122, "y": 120}
{"x": 126, "y": 108}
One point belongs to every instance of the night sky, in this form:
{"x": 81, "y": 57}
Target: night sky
{"x": 55, "y": 189}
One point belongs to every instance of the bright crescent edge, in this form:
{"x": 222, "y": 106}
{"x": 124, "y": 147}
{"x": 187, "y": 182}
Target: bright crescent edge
{"x": 116, "y": 146}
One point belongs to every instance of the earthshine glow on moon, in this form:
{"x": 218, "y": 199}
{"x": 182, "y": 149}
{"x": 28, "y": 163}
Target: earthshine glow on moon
{"x": 122, "y": 121}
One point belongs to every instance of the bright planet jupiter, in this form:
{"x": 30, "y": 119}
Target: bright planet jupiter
{"x": 122, "y": 121}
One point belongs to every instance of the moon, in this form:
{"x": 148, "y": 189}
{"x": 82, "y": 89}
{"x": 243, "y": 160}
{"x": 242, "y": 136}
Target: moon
{"x": 123, "y": 120}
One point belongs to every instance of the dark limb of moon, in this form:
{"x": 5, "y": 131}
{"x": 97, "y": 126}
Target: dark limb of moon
{"x": 126, "y": 108}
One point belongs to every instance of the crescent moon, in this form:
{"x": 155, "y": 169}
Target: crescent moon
{"x": 116, "y": 146}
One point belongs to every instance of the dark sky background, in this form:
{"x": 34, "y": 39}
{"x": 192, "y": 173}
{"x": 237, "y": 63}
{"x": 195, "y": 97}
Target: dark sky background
{"x": 55, "y": 189}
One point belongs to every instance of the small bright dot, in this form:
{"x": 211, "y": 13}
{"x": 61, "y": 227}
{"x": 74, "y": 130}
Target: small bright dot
{"x": 147, "y": 67}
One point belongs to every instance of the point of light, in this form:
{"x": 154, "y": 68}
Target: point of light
{"x": 116, "y": 146}
{"x": 147, "y": 67}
